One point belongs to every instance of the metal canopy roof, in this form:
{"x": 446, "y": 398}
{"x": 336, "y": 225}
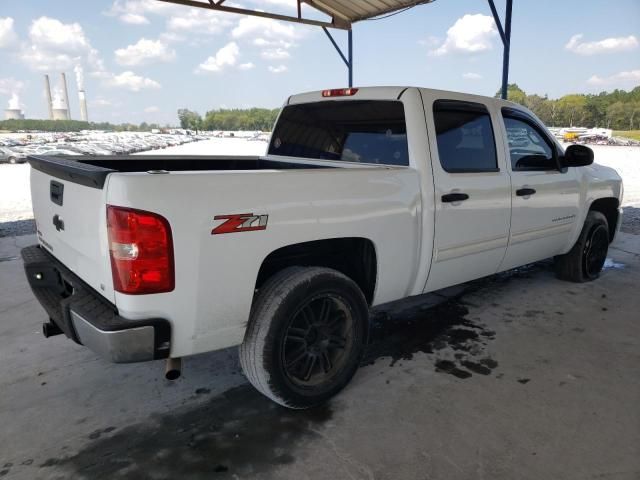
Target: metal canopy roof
{"x": 354, "y": 11}
{"x": 343, "y": 13}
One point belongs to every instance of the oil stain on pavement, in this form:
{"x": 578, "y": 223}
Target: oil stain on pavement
{"x": 237, "y": 433}
{"x": 433, "y": 330}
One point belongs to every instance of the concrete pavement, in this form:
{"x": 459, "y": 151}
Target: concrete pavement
{"x": 521, "y": 376}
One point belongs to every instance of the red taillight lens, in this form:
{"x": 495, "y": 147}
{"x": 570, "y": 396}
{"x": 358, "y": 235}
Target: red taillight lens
{"x": 141, "y": 251}
{"x": 340, "y": 92}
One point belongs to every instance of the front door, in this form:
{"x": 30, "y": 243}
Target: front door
{"x": 472, "y": 191}
{"x": 545, "y": 199}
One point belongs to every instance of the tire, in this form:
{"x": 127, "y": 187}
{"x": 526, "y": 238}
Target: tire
{"x": 585, "y": 260}
{"x": 306, "y": 336}
{"x": 12, "y": 160}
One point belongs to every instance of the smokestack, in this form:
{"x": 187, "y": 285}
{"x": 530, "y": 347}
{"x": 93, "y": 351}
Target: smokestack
{"x": 63, "y": 79}
{"x": 82, "y": 97}
{"x": 83, "y": 106}
{"x": 47, "y": 93}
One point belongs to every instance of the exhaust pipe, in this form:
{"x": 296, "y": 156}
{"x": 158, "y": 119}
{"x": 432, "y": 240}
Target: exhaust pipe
{"x": 50, "y": 329}
{"x": 173, "y": 369}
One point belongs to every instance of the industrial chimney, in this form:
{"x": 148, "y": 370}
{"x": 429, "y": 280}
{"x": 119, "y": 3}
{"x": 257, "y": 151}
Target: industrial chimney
{"x": 63, "y": 79}
{"x": 47, "y": 93}
{"x": 83, "y": 106}
{"x": 82, "y": 97}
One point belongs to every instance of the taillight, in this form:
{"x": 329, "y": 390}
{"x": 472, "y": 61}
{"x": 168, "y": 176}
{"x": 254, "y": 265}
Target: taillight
{"x": 340, "y": 92}
{"x": 141, "y": 251}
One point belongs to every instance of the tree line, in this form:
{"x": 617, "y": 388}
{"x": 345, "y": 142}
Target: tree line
{"x": 618, "y": 110}
{"x": 229, "y": 119}
{"x": 73, "y": 126}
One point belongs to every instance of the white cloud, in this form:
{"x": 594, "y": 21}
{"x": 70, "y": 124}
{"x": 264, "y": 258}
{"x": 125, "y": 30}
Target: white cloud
{"x": 130, "y": 81}
{"x": 607, "y": 45}
{"x": 52, "y": 33}
{"x": 134, "y": 19}
{"x": 140, "y": 8}
{"x": 278, "y": 69}
{"x": 7, "y": 34}
{"x": 268, "y": 29}
{"x": 471, "y": 76}
{"x": 100, "y": 102}
{"x": 625, "y": 79}
{"x": 263, "y": 42}
{"x": 198, "y": 21}
{"x": 275, "y": 54}
{"x": 246, "y": 66}
{"x": 54, "y": 45}
{"x": 10, "y": 85}
{"x": 144, "y": 52}
{"x": 470, "y": 34}
{"x": 194, "y": 21}
{"x": 152, "y": 109}
{"x": 227, "y": 56}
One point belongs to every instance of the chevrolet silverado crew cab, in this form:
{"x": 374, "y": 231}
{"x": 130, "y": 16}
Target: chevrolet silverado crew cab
{"x": 365, "y": 196}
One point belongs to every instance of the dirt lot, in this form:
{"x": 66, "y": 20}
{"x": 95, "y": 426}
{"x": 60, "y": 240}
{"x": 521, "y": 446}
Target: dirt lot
{"x": 519, "y": 376}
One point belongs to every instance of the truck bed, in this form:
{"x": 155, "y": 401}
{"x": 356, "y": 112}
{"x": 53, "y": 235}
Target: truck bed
{"x": 92, "y": 171}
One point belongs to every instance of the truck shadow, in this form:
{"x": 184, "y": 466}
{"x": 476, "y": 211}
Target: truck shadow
{"x": 240, "y": 432}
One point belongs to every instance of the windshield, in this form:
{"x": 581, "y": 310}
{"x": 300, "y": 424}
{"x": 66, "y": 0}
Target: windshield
{"x": 368, "y": 131}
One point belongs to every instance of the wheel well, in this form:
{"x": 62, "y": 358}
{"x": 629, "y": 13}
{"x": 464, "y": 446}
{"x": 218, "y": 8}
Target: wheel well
{"x": 354, "y": 257}
{"x": 609, "y": 208}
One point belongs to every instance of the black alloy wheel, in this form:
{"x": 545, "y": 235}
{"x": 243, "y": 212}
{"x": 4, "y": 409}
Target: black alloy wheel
{"x": 595, "y": 250}
{"x": 318, "y": 341}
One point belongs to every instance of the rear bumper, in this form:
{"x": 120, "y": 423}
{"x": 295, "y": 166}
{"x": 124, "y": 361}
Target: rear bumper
{"x": 87, "y": 318}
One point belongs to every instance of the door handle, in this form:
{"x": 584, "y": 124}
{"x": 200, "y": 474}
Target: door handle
{"x": 454, "y": 197}
{"x": 525, "y": 192}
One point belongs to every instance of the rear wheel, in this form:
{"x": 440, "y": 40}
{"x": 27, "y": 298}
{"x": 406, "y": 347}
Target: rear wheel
{"x": 306, "y": 336}
{"x": 585, "y": 260}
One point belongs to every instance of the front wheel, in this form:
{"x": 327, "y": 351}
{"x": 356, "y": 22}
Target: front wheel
{"x": 12, "y": 160}
{"x": 585, "y": 260}
{"x": 306, "y": 336}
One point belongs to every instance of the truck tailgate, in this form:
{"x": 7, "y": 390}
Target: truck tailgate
{"x": 70, "y": 212}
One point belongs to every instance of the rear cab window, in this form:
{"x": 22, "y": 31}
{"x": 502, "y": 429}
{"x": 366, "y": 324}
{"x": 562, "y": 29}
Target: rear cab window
{"x": 364, "y": 131}
{"x": 465, "y": 138}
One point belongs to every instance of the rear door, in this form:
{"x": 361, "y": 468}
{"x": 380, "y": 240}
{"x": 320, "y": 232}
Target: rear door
{"x": 70, "y": 216}
{"x": 545, "y": 198}
{"x": 472, "y": 189}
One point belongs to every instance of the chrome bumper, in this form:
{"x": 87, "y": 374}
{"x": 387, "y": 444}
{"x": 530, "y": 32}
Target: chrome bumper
{"x": 87, "y": 318}
{"x": 121, "y": 346}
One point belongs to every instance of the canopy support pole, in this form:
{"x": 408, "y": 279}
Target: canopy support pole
{"x": 505, "y": 35}
{"x": 348, "y": 60}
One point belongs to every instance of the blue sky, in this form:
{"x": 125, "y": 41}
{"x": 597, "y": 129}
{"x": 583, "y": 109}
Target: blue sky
{"x": 144, "y": 59}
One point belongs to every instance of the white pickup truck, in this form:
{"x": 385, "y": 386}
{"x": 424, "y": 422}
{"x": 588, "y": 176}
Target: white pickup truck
{"x": 365, "y": 196}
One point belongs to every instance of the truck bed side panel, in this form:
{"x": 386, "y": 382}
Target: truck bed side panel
{"x": 216, "y": 274}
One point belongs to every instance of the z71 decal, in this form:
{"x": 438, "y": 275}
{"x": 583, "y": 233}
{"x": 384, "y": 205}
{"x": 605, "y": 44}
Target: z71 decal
{"x": 241, "y": 222}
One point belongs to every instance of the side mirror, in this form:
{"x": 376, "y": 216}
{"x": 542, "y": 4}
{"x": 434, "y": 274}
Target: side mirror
{"x": 577, "y": 156}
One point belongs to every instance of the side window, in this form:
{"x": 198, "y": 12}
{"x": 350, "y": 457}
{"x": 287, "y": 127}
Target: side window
{"x": 529, "y": 149}
{"x": 465, "y": 137}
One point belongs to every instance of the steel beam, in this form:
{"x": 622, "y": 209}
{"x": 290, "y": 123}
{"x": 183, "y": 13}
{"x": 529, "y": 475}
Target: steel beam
{"x": 507, "y": 50}
{"x": 505, "y": 35}
{"x": 348, "y": 60}
{"x": 350, "y": 66}
{"x": 218, "y": 7}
